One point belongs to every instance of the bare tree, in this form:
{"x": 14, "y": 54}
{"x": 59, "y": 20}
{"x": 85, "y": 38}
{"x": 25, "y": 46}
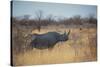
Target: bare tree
{"x": 77, "y": 19}
{"x": 50, "y": 18}
{"x": 39, "y": 16}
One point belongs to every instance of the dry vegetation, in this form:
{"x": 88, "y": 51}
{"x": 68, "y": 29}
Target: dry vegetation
{"x": 81, "y": 46}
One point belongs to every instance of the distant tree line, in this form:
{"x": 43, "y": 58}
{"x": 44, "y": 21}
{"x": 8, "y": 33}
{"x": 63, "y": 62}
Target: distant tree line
{"x": 37, "y": 23}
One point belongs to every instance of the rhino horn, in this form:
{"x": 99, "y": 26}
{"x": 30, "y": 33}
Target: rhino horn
{"x": 68, "y": 32}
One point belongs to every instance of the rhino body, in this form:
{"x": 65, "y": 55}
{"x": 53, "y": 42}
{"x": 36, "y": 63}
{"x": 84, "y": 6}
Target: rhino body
{"x": 47, "y": 40}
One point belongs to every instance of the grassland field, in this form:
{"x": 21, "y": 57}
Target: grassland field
{"x": 81, "y": 47}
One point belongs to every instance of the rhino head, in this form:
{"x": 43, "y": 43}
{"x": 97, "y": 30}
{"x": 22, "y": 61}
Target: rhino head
{"x": 64, "y": 36}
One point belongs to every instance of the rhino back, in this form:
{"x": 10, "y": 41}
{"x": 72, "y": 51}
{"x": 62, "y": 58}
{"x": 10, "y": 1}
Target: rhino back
{"x": 45, "y": 40}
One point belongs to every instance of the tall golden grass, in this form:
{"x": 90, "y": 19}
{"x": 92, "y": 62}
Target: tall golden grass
{"x": 81, "y": 46}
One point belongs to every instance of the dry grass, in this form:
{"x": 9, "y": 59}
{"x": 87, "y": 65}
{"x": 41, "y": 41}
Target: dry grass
{"x": 81, "y": 46}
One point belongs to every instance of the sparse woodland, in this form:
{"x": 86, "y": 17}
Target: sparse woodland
{"x": 81, "y": 46}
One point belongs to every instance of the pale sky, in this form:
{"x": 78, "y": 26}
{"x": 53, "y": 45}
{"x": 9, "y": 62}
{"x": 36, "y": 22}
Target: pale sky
{"x": 21, "y": 8}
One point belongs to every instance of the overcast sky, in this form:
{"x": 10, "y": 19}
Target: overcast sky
{"x": 21, "y": 8}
